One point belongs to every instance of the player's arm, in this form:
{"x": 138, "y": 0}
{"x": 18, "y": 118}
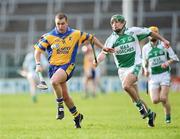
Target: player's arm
{"x": 40, "y": 47}
{"x": 172, "y": 55}
{"x": 145, "y": 68}
{"x": 145, "y": 63}
{"x": 167, "y": 63}
{"x": 100, "y": 58}
{"x": 37, "y": 57}
{"x": 172, "y": 58}
{"x": 98, "y": 43}
{"x": 159, "y": 37}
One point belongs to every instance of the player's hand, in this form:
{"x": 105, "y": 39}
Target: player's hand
{"x": 166, "y": 43}
{"x": 109, "y": 50}
{"x": 95, "y": 64}
{"x": 165, "y": 65}
{"x": 39, "y": 68}
{"x": 145, "y": 72}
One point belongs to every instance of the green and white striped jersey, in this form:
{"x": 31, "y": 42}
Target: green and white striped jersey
{"x": 126, "y": 45}
{"x": 156, "y": 55}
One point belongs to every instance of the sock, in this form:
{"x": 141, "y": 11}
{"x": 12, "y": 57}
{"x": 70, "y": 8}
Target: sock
{"x": 142, "y": 108}
{"x": 168, "y": 116}
{"x": 74, "y": 111}
{"x": 34, "y": 98}
{"x": 60, "y": 101}
{"x": 149, "y": 112}
{"x": 138, "y": 104}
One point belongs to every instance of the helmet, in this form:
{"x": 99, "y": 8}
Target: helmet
{"x": 117, "y": 17}
{"x": 154, "y": 29}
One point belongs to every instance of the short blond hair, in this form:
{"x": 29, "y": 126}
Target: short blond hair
{"x": 154, "y": 29}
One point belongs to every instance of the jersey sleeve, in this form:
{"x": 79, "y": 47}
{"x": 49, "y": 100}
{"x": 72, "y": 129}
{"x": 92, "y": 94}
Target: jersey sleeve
{"x": 171, "y": 54}
{"x": 109, "y": 42}
{"x": 85, "y": 37}
{"x": 141, "y": 33}
{"x": 42, "y": 44}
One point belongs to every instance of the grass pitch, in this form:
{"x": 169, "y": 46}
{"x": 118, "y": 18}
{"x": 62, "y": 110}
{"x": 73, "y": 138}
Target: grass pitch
{"x": 110, "y": 116}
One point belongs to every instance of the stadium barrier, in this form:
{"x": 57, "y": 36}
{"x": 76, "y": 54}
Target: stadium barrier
{"x": 109, "y": 83}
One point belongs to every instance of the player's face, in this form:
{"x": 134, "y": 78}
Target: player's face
{"x": 61, "y": 25}
{"x": 153, "y": 39}
{"x": 117, "y": 25}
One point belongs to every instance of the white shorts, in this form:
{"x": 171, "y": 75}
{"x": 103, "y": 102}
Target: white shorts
{"x": 157, "y": 80}
{"x": 123, "y": 72}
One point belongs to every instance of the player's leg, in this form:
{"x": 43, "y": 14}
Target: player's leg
{"x": 70, "y": 104}
{"x": 154, "y": 93}
{"x": 128, "y": 84}
{"x": 128, "y": 80}
{"x": 87, "y": 86}
{"x": 165, "y": 84}
{"x": 143, "y": 108}
{"x": 94, "y": 86}
{"x": 87, "y": 80}
{"x": 130, "y": 87}
{"x": 165, "y": 103}
{"x": 98, "y": 81}
{"x": 32, "y": 86}
{"x": 59, "y": 77}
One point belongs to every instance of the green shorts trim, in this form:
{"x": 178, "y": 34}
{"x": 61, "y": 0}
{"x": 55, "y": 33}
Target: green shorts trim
{"x": 136, "y": 69}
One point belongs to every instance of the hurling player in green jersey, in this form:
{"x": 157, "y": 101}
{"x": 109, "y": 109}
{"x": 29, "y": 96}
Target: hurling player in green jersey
{"x": 156, "y": 65}
{"x": 127, "y": 57}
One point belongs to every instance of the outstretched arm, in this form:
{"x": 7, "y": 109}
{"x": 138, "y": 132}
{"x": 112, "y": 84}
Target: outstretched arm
{"x": 159, "y": 37}
{"x": 100, "y": 45}
{"x": 97, "y": 42}
{"x": 100, "y": 58}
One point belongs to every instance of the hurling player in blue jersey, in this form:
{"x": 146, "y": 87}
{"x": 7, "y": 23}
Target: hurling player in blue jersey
{"x": 61, "y": 45}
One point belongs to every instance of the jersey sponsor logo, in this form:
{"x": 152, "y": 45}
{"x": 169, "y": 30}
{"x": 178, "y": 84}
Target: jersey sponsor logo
{"x": 60, "y": 41}
{"x": 156, "y": 61}
{"x": 64, "y": 50}
{"x": 124, "y": 49}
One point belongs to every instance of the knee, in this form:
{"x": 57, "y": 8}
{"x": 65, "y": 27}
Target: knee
{"x": 54, "y": 82}
{"x": 155, "y": 101}
{"x": 126, "y": 87}
{"x": 163, "y": 99}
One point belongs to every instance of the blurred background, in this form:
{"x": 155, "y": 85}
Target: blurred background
{"x": 22, "y": 22}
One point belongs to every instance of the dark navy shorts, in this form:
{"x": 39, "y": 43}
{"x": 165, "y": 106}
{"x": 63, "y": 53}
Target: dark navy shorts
{"x": 68, "y": 68}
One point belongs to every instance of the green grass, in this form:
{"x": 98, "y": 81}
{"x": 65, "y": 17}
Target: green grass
{"x": 110, "y": 116}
